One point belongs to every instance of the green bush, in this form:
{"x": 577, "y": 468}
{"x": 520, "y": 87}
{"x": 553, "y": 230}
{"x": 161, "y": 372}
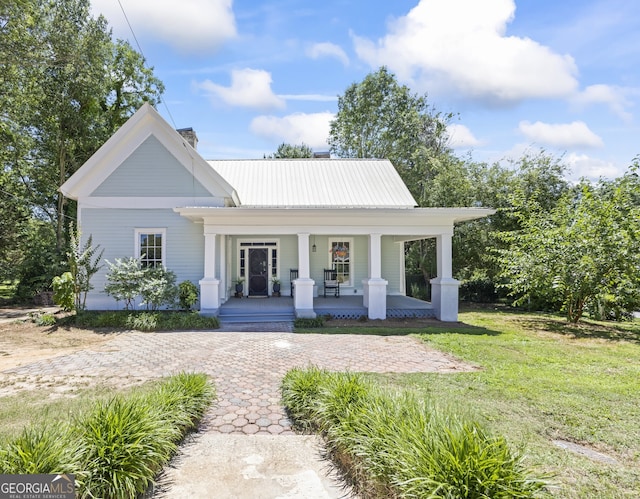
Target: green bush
{"x": 43, "y": 449}
{"x": 187, "y": 295}
{"x": 397, "y": 445}
{"x": 116, "y": 449}
{"x": 42, "y": 319}
{"x": 64, "y": 291}
{"x": 144, "y": 321}
{"x": 304, "y": 322}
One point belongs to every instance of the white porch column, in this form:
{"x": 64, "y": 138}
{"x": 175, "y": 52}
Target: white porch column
{"x": 444, "y": 289}
{"x": 222, "y": 289}
{"x": 303, "y": 296}
{"x": 375, "y": 288}
{"x": 209, "y": 285}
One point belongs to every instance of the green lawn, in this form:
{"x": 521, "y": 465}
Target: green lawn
{"x": 542, "y": 379}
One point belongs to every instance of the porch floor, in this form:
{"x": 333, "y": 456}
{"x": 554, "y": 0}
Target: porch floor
{"x": 277, "y": 309}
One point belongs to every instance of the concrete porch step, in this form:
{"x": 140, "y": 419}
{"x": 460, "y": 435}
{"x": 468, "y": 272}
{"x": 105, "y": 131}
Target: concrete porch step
{"x": 228, "y": 317}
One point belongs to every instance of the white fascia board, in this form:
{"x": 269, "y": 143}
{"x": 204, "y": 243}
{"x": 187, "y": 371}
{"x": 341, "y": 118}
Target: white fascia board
{"x": 399, "y": 222}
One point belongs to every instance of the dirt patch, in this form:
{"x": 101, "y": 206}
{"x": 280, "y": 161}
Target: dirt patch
{"x": 22, "y": 341}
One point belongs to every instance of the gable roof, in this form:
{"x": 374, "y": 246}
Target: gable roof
{"x": 144, "y": 123}
{"x": 316, "y": 183}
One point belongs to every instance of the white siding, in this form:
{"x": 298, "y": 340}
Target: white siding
{"x": 114, "y": 231}
{"x": 391, "y": 252}
{"x": 151, "y": 170}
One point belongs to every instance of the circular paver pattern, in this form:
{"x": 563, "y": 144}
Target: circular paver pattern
{"x": 247, "y": 367}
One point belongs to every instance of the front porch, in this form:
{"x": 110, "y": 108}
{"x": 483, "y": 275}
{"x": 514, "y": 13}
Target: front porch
{"x": 279, "y": 309}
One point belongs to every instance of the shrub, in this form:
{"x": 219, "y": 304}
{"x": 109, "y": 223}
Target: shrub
{"x": 158, "y": 288}
{"x": 187, "y": 295}
{"x": 397, "y": 445}
{"x": 116, "y": 449}
{"x": 41, "y": 319}
{"x": 44, "y": 449}
{"x": 124, "y": 280}
{"x": 64, "y": 291}
{"x": 305, "y": 322}
{"x": 144, "y": 321}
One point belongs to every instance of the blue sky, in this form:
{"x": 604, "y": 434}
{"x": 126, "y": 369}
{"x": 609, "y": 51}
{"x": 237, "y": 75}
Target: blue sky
{"x": 520, "y": 75}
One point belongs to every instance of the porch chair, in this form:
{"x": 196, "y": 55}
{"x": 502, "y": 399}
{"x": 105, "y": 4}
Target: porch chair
{"x": 331, "y": 282}
{"x": 293, "y": 275}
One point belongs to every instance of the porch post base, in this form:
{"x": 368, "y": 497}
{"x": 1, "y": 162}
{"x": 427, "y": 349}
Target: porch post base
{"x": 303, "y": 298}
{"x": 305, "y": 314}
{"x": 444, "y": 298}
{"x": 377, "y": 298}
{"x": 209, "y": 293}
{"x": 209, "y": 312}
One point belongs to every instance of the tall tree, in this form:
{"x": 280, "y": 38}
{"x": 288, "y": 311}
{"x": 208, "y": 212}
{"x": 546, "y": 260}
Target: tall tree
{"x": 583, "y": 254}
{"x": 379, "y": 118}
{"x": 65, "y": 87}
{"x": 292, "y": 151}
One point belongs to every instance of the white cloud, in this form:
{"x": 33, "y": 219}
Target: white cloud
{"x": 311, "y": 129}
{"x": 613, "y": 97}
{"x": 188, "y": 25}
{"x": 461, "y": 46}
{"x": 460, "y": 137}
{"x": 563, "y": 135}
{"x": 249, "y": 88}
{"x": 584, "y": 166}
{"x": 327, "y": 49}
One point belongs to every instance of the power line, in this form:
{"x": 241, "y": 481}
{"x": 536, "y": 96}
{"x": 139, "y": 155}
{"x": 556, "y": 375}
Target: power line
{"x": 144, "y": 57}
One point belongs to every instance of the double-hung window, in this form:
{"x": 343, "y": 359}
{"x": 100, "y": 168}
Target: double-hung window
{"x": 151, "y": 247}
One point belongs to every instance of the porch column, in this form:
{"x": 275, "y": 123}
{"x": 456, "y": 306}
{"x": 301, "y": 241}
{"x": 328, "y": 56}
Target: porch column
{"x": 375, "y": 288}
{"x": 444, "y": 288}
{"x": 209, "y": 285}
{"x": 303, "y": 296}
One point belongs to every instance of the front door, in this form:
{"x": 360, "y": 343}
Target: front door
{"x": 258, "y": 272}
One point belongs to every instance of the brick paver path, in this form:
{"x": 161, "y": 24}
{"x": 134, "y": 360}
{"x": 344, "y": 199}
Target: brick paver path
{"x": 247, "y": 366}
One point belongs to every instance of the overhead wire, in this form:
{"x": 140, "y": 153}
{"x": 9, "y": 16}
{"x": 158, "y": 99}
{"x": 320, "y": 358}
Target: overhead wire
{"x": 143, "y": 56}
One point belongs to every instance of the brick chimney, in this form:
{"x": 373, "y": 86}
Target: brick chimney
{"x": 189, "y": 135}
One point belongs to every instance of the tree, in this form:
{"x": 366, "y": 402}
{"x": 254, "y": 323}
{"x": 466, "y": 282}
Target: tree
{"x": 582, "y": 255}
{"x": 65, "y": 87}
{"x": 292, "y": 151}
{"x": 379, "y": 118}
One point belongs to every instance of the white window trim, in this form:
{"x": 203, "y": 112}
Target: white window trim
{"x": 349, "y": 240}
{"x": 151, "y": 230}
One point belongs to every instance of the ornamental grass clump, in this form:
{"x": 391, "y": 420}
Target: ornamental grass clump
{"x": 40, "y": 449}
{"x": 118, "y": 446}
{"x": 399, "y": 445}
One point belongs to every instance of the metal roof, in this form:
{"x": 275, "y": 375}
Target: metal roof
{"x": 315, "y": 183}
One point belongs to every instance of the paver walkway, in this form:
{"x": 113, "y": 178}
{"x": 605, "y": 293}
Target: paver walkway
{"x": 247, "y": 366}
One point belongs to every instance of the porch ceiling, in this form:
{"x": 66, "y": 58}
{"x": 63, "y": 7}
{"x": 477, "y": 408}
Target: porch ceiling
{"x": 336, "y": 221}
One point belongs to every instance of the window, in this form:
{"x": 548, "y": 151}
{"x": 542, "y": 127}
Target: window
{"x": 340, "y": 251}
{"x": 150, "y": 247}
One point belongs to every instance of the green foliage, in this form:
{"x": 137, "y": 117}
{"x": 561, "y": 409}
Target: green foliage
{"x": 292, "y": 151}
{"x": 187, "y": 295}
{"x": 83, "y": 264}
{"x": 583, "y": 254}
{"x": 307, "y": 322}
{"x": 158, "y": 288}
{"x": 41, "y": 449}
{"x": 65, "y": 87}
{"x": 144, "y": 321}
{"x": 125, "y": 280}
{"x": 401, "y": 445}
{"x": 379, "y": 118}
{"x": 64, "y": 291}
{"x": 117, "y": 448}
{"x": 40, "y": 261}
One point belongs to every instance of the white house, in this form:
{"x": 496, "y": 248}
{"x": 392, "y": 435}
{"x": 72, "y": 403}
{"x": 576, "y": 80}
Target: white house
{"x": 148, "y": 192}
